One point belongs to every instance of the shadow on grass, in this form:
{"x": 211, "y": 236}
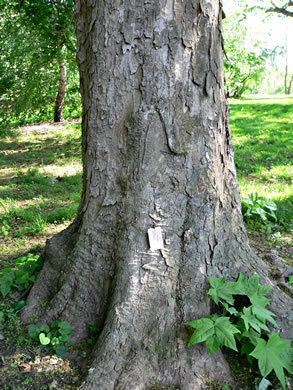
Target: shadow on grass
{"x": 284, "y": 212}
{"x": 34, "y": 154}
{"x": 51, "y": 214}
{"x": 27, "y": 220}
{"x": 27, "y": 187}
{"x": 41, "y": 199}
{"x": 5, "y": 132}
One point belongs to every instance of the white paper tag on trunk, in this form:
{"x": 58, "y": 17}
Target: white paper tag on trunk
{"x": 155, "y": 238}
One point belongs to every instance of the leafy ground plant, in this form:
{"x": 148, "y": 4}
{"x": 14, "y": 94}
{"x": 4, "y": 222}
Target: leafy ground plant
{"x": 23, "y": 273}
{"x": 4, "y": 228}
{"x": 10, "y": 312}
{"x": 94, "y": 333}
{"x": 258, "y": 210}
{"x": 245, "y": 324}
{"x": 56, "y": 335}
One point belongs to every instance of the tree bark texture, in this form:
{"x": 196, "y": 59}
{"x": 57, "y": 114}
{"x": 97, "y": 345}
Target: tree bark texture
{"x": 58, "y": 111}
{"x": 157, "y": 152}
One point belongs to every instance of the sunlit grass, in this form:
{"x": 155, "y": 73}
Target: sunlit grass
{"x": 40, "y": 183}
{"x": 263, "y": 139}
{"x": 262, "y": 100}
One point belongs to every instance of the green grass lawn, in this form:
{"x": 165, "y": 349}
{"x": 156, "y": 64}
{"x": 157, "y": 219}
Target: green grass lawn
{"x": 40, "y": 184}
{"x": 263, "y": 140}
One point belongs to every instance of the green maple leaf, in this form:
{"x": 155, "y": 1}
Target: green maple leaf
{"x": 222, "y": 290}
{"x": 230, "y": 309}
{"x": 258, "y": 309}
{"x": 212, "y": 344}
{"x": 250, "y": 286}
{"x": 287, "y": 356}
{"x": 273, "y": 355}
{"x": 263, "y": 290}
{"x": 225, "y": 332}
{"x": 259, "y": 300}
{"x": 241, "y": 285}
{"x": 204, "y": 329}
{"x": 250, "y": 320}
{"x": 215, "y": 331}
{"x": 250, "y": 334}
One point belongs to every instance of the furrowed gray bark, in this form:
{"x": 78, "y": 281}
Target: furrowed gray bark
{"x": 157, "y": 152}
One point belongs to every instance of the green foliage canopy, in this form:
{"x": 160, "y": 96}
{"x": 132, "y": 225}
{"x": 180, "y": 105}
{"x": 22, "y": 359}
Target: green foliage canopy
{"x": 35, "y": 36}
{"x": 242, "y": 65}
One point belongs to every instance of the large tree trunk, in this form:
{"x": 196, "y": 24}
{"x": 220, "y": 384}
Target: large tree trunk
{"x": 58, "y": 111}
{"x": 157, "y": 153}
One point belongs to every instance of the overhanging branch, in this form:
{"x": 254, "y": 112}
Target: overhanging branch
{"x": 282, "y": 10}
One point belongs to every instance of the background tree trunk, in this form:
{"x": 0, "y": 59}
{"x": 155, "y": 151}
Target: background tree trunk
{"x": 157, "y": 152}
{"x": 58, "y": 111}
{"x": 290, "y": 85}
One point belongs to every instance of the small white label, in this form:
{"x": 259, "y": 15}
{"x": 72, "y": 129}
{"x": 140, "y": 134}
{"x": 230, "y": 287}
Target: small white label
{"x": 155, "y": 238}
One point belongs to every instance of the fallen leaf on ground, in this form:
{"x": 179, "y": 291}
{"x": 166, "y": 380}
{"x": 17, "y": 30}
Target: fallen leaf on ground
{"x": 26, "y": 367}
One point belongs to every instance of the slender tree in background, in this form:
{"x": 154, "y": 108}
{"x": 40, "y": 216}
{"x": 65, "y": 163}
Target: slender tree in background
{"x": 37, "y": 43}
{"x": 58, "y": 111}
{"x": 288, "y": 78}
{"x": 157, "y": 153}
